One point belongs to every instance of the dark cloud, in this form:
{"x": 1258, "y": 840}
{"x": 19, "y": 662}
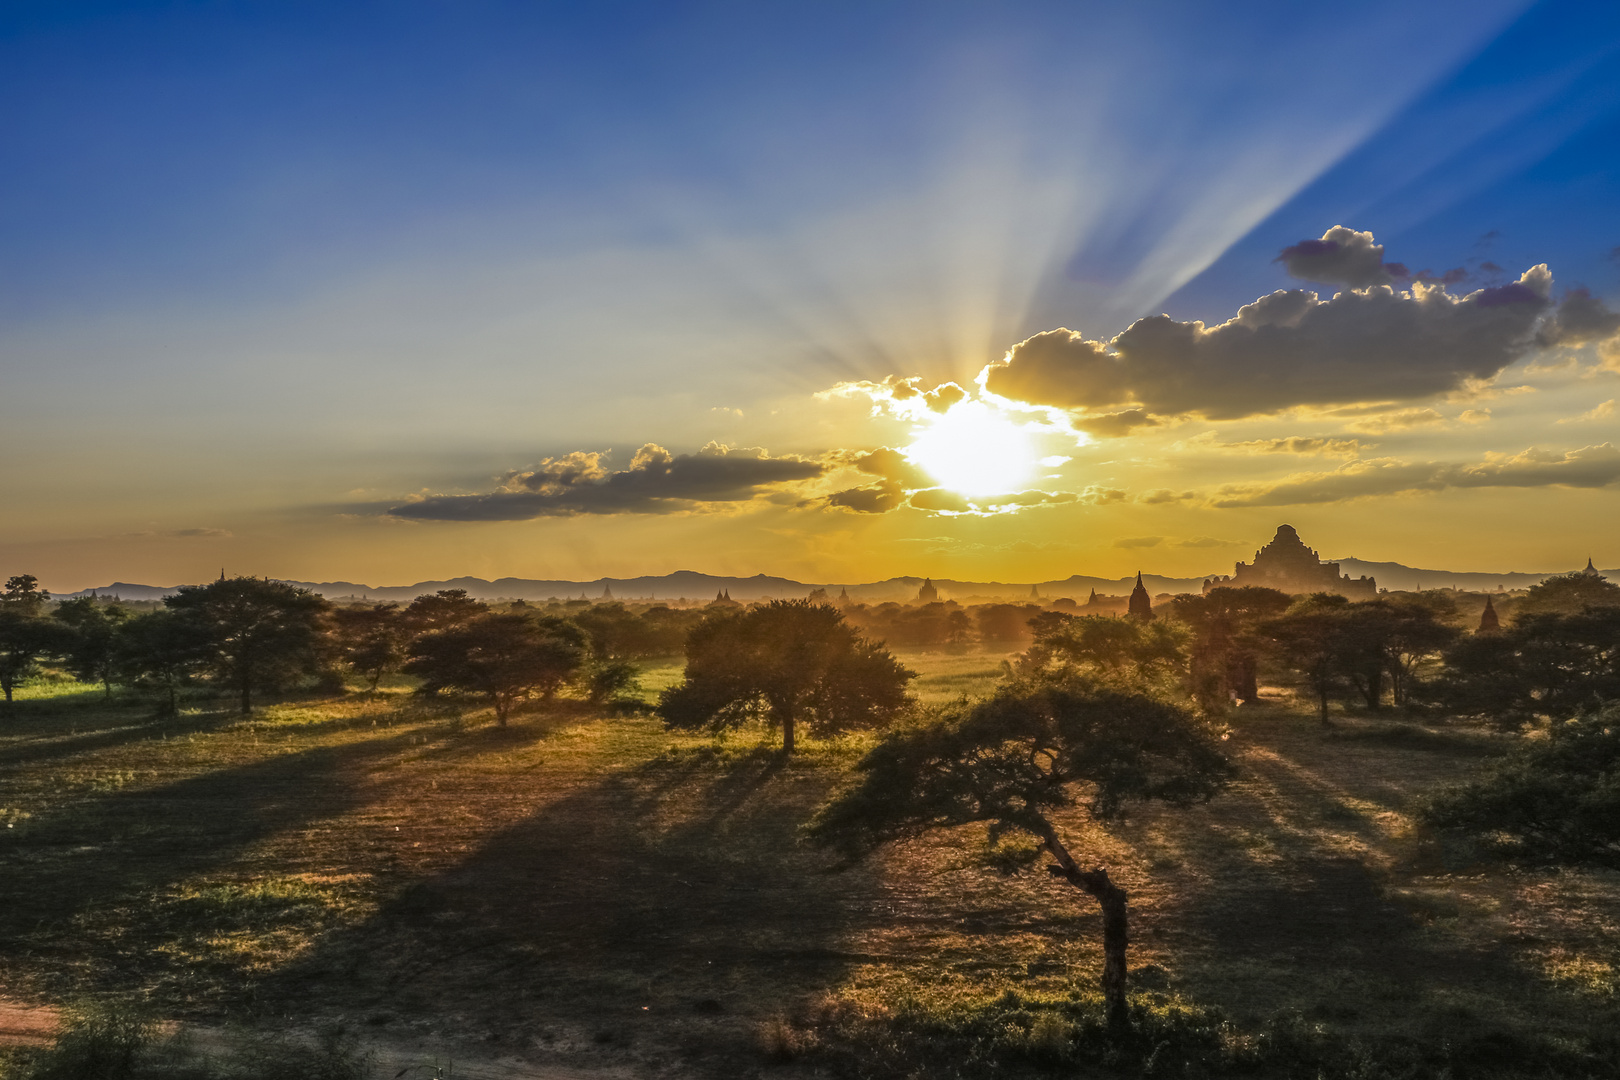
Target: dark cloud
{"x": 657, "y": 482}
{"x": 1589, "y": 467}
{"x": 1341, "y": 257}
{"x": 1288, "y": 349}
{"x": 1206, "y": 542}
{"x": 1160, "y": 496}
{"x": 875, "y": 499}
{"x": 1113, "y": 425}
{"x": 938, "y": 499}
{"x": 1138, "y": 541}
{"x": 892, "y": 465}
{"x": 1580, "y": 318}
{"x": 201, "y": 532}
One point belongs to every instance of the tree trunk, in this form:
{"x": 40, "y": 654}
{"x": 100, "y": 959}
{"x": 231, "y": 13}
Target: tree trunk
{"x": 1116, "y": 925}
{"x": 787, "y": 734}
{"x": 247, "y": 697}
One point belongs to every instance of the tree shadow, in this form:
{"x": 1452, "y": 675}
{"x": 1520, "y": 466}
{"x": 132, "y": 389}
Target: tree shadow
{"x": 667, "y": 890}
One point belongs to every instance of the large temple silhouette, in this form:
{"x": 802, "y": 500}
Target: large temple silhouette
{"x": 1287, "y": 564}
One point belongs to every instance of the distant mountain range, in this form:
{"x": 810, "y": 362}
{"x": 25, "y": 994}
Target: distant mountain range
{"x": 692, "y": 585}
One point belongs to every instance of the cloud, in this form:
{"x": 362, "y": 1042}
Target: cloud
{"x": 1299, "y": 444}
{"x": 1474, "y": 416}
{"x": 1284, "y": 350}
{"x": 657, "y": 482}
{"x": 201, "y": 532}
{"x": 1402, "y": 418}
{"x": 1138, "y": 541}
{"x": 1101, "y": 496}
{"x": 1158, "y": 496}
{"x": 875, "y": 499}
{"x": 1113, "y": 425}
{"x": 891, "y": 465}
{"x": 1598, "y": 412}
{"x": 1589, "y": 467}
{"x": 902, "y": 396}
{"x": 1206, "y": 542}
{"x": 1343, "y": 256}
{"x": 1580, "y": 318}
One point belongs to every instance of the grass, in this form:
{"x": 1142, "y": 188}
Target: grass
{"x": 587, "y": 889}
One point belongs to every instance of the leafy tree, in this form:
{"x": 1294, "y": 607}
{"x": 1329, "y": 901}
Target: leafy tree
{"x": 1223, "y": 655}
{"x": 606, "y": 679}
{"x": 1308, "y": 639}
{"x": 1543, "y": 667}
{"x": 260, "y": 633}
{"x": 1569, "y": 594}
{"x": 26, "y": 635}
{"x": 371, "y": 638}
{"x": 1554, "y": 799}
{"x": 1018, "y": 758}
{"x": 159, "y": 652}
{"x": 92, "y": 648}
{"x": 1005, "y": 622}
{"x": 1119, "y": 650}
{"x": 443, "y": 610}
{"x": 506, "y": 657}
{"x": 793, "y": 661}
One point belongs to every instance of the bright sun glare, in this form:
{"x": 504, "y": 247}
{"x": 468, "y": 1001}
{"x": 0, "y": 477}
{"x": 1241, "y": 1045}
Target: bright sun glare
{"x": 974, "y": 451}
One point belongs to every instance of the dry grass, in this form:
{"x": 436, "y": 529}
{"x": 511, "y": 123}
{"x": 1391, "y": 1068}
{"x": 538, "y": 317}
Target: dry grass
{"x": 583, "y": 888}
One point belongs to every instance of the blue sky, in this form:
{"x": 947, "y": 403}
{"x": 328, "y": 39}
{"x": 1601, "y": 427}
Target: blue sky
{"x": 265, "y": 265}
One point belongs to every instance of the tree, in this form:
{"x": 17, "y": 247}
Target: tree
{"x": 1546, "y": 667}
{"x": 1014, "y": 759}
{"x": 792, "y": 660}
{"x": 26, "y": 635}
{"x": 260, "y": 633}
{"x": 1119, "y": 650}
{"x": 92, "y": 647}
{"x": 1223, "y": 655}
{"x": 505, "y": 657}
{"x": 1569, "y": 594}
{"x": 1555, "y": 799}
{"x": 159, "y": 652}
{"x": 371, "y": 638}
{"x": 1307, "y": 638}
{"x": 443, "y": 610}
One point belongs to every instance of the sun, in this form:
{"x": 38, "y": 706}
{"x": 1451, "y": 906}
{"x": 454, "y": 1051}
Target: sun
{"x": 974, "y": 450}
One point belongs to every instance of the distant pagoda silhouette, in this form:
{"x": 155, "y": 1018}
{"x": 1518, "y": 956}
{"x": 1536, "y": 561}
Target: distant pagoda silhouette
{"x": 1141, "y": 604}
{"x": 1287, "y": 564}
{"x": 927, "y": 594}
{"x": 1488, "y": 622}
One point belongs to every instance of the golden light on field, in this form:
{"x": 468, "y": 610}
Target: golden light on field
{"x": 973, "y": 450}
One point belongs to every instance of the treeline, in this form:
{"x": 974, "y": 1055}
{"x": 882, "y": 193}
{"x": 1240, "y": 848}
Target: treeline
{"x": 246, "y": 637}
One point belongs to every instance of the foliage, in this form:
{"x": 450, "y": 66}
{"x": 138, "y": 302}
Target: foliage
{"x": 618, "y": 632}
{"x": 443, "y": 610}
{"x": 608, "y": 680}
{"x": 795, "y": 661}
{"x": 1568, "y": 594}
{"x": 159, "y": 652}
{"x": 26, "y": 635}
{"x": 1128, "y": 652}
{"x": 940, "y": 623}
{"x": 1543, "y": 667}
{"x": 92, "y": 649}
{"x": 1015, "y": 759}
{"x": 1224, "y": 651}
{"x": 1553, "y": 799}
{"x": 371, "y": 639}
{"x": 260, "y": 633}
{"x": 1005, "y": 622}
{"x": 503, "y": 656}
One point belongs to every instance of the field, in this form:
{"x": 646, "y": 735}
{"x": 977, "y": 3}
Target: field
{"x": 586, "y": 892}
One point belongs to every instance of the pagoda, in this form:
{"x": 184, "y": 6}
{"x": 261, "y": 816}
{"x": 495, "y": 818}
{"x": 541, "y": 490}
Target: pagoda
{"x": 1141, "y": 604}
{"x": 1288, "y": 565}
{"x": 927, "y": 594}
{"x": 1488, "y": 622}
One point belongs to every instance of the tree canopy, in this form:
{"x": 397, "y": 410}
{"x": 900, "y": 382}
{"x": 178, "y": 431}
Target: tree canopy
{"x": 793, "y": 661}
{"x": 504, "y": 656}
{"x": 260, "y": 633}
{"x": 1013, "y": 760}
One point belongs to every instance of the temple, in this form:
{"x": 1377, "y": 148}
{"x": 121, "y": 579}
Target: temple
{"x": 927, "y": 594}
{"x": 1489, "y": 623}
{"x": 1141, "y": 606}
{"x": 1287, "y": 564}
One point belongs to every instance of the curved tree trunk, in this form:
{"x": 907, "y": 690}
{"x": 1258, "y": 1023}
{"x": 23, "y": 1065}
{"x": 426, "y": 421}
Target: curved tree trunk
{"x": 787, "y": 733}
{"x": 1116, "y": 924}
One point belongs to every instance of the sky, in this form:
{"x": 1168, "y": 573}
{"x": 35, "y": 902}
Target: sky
{"x": 391, "y": 292}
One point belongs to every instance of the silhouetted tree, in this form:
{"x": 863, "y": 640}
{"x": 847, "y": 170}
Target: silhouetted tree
{"x": 1568, "y": 594}
{"x": 1223, "y": 655}
{"x": 26, "y": 634}
{"x": 260, "y": 634}
{"x": 1014, "y": 762}
{"x": 443, "y": 610}
{"x": 606, "y": 679}
{"x": 93, "y": 644}
{"x": 1555, "y": 799}
{"x": 371, "y": 639}
{"x": 506, "y": 657}
{"x": 1308, "y": 638}
{"x": 1005, "y": 622}
{"x": 159, "y": 652}
{"x": 792, "y": 660}
{"x": 1542, "y": 667}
